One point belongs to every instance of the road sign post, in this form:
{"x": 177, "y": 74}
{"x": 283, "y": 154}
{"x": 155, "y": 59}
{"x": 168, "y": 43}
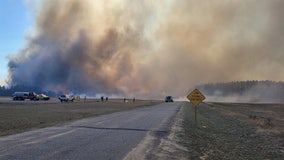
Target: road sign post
{"x": 195, "y": 114}
{"x": 195, "y": 97}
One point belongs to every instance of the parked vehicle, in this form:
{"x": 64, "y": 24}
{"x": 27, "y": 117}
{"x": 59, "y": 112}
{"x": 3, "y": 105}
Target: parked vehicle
{"x": 25, "y": 95}
{"x": 66, "y": 98}
{"x": 169, "y": 99}
{"x": 43, "y": 97}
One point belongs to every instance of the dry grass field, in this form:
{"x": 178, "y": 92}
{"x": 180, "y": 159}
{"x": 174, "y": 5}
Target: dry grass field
{"x": 233, "y": 131}
{"x": 20, "y": 116}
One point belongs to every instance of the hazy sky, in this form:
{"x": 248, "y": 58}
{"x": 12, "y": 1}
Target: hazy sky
{"x": 145, "y": 48}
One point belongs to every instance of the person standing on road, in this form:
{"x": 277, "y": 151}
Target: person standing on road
{"x": 102, "y": 98}
{"x": 106, "y": 99}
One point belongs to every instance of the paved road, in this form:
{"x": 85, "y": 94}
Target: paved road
{"x": 113, "y": 136}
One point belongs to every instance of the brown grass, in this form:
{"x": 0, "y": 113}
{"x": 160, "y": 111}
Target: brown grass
{"x": 233, "y": 131}
{"x": 20, "y": 116}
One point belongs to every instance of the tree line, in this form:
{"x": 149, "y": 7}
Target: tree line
{"x": 8, "y": 91}
{"x": 240, "y": 87}
{"x": 254, "y": 91}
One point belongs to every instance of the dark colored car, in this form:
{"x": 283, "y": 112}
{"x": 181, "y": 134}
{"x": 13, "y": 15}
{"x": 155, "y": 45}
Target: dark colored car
{"x": 25, "y": 95}
{"x": 169, "y": 99}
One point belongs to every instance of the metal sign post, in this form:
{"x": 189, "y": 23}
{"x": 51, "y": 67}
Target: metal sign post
{"x": 195, "y": 115}
{"x": 195, "y": 97}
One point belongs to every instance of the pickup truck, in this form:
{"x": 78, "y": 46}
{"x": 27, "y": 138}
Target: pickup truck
{"x": 66, "y": 98}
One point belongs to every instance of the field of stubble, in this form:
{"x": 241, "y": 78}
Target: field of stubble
{"x": 233, "y": 131}
{"x": 20, "y": 116}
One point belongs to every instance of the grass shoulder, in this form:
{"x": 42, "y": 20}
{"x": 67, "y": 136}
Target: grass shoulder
{"x": 225, "y": 132}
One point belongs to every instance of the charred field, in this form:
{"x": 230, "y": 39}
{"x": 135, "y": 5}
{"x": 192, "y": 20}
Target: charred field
{"x": 232, "y": 131}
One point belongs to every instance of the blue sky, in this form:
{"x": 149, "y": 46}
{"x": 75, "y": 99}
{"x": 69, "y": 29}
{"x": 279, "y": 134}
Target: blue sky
{"x": 16, "y": 19}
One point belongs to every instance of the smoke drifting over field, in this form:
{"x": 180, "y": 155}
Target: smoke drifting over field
{"x": 150, "y": 48}
{"x": 244, "y": 91}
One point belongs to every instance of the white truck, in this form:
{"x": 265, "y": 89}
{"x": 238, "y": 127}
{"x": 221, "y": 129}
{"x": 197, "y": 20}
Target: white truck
{"x": 66, "y": 98}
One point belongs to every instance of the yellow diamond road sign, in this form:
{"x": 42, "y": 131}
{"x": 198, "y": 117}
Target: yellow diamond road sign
{"x": 195, "y": 97}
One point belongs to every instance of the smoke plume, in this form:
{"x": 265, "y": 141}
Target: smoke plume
{"x": 150, "y": 48}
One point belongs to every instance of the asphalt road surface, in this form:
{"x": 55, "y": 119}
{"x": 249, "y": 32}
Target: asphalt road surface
{"x": 123, "y": 135}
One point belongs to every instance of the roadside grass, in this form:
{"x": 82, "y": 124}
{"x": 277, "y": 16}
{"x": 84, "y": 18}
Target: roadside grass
{"x": 24, "y": 116}
{"x": 225, "y": 132}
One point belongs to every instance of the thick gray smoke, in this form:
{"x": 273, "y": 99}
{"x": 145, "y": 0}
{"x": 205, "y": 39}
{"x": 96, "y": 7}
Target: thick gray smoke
{"x": 150, "y": 48}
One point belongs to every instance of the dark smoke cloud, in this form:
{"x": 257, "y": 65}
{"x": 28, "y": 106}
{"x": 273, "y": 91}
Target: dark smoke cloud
{"x": 150, "y": 49}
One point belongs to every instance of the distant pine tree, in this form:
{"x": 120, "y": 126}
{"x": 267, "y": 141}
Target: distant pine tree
{"x": 5, "y": 91}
